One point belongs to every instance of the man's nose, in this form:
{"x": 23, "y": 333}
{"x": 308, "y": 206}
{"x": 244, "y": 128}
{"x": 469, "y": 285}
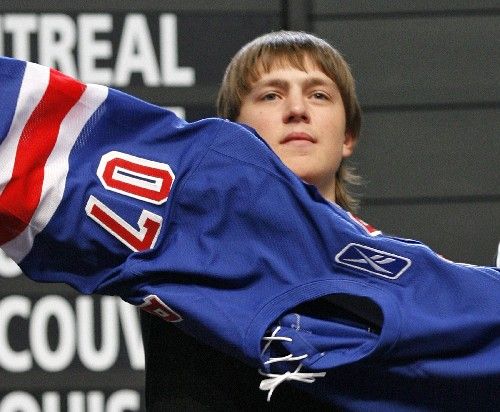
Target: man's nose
{"x": 296, "y": 110}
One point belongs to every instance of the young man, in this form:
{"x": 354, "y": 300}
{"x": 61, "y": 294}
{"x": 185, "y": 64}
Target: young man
{"x": 202, "y": 225}
{"x": 298, "y": 93}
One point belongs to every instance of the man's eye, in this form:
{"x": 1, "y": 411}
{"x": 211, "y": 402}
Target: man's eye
{"x": 269, "y": 96}
{"x": 320, "y": 95}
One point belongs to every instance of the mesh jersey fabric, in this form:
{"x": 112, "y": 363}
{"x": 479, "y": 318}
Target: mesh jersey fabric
{"x": 204, "y": 221}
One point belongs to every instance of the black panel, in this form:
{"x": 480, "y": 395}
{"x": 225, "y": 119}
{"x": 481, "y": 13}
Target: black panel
{"x": 465, "y": 232}
{"x": 430, "y": 153}
{"x": 419, "y": 60}
{"x": 134, "y": 6}
{"x": 328, "y": 7}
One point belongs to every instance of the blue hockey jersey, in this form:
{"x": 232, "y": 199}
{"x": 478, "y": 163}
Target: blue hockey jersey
{"x": 201, "y": 224}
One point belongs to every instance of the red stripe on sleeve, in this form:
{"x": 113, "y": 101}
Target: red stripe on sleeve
{"x": 22, "y": 193}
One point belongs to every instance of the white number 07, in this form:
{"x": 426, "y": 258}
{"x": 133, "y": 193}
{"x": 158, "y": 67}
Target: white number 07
{"x": 135, "y": 177}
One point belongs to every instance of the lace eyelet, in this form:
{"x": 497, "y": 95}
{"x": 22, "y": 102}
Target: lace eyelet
{"x": 274, "y": 380}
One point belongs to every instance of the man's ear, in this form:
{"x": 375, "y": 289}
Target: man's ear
{"x": 349, "y": 145}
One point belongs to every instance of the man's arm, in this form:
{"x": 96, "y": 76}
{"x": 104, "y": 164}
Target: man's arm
{"x": 43, "y": 115}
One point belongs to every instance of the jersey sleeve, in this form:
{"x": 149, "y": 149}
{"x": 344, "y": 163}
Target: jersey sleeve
{"x": 78, "y": 162}
{"x": 43, "y": 116}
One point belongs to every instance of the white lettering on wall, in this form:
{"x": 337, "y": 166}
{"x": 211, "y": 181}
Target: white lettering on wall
{"x": 11, "y": 360}
{"x": 56, "y": 40}
{"x": 172, "y": 74}
{"x": 131, "y": 329}
{"x": 51, "y": 401}
{"x": 8, "y": 268}
{"x": 93, "y": 401}
{"x": 1, "y": 37}
{"x": 91, "y": 49}
{"x": 92, "y": 358}
{"x": 76, "y": 333}
{"x": 78, "y": 48}
{"x": 136, "y": 53}
{"x": 58, "y": 308}
{"x": 20, "y": 26}
{"x": 123, "y": 400}
{"x": 19, "y": 402}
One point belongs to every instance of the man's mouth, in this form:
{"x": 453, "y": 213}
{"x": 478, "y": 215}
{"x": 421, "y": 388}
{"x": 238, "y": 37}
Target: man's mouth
{"x": 298, "y": 137}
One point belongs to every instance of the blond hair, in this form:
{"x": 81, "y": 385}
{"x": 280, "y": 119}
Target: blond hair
{"x": 288, "y": 48}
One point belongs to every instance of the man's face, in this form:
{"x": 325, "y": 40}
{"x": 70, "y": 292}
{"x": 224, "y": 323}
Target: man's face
{"x": 300, "y": 114}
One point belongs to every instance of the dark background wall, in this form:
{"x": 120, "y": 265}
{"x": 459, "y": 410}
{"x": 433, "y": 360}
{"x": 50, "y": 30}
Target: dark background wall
{"x": 429, "y": 83}
{"x": 428, "y": 80}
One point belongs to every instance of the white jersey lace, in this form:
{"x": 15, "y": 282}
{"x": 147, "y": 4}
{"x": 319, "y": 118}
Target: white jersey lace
{"x": 275, "y": 379}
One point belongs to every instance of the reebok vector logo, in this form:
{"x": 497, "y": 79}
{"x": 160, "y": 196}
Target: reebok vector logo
{"x": 373, "y": 261}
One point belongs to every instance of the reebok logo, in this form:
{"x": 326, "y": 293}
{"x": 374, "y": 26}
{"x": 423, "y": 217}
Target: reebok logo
{"x": 372, "y": 260}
